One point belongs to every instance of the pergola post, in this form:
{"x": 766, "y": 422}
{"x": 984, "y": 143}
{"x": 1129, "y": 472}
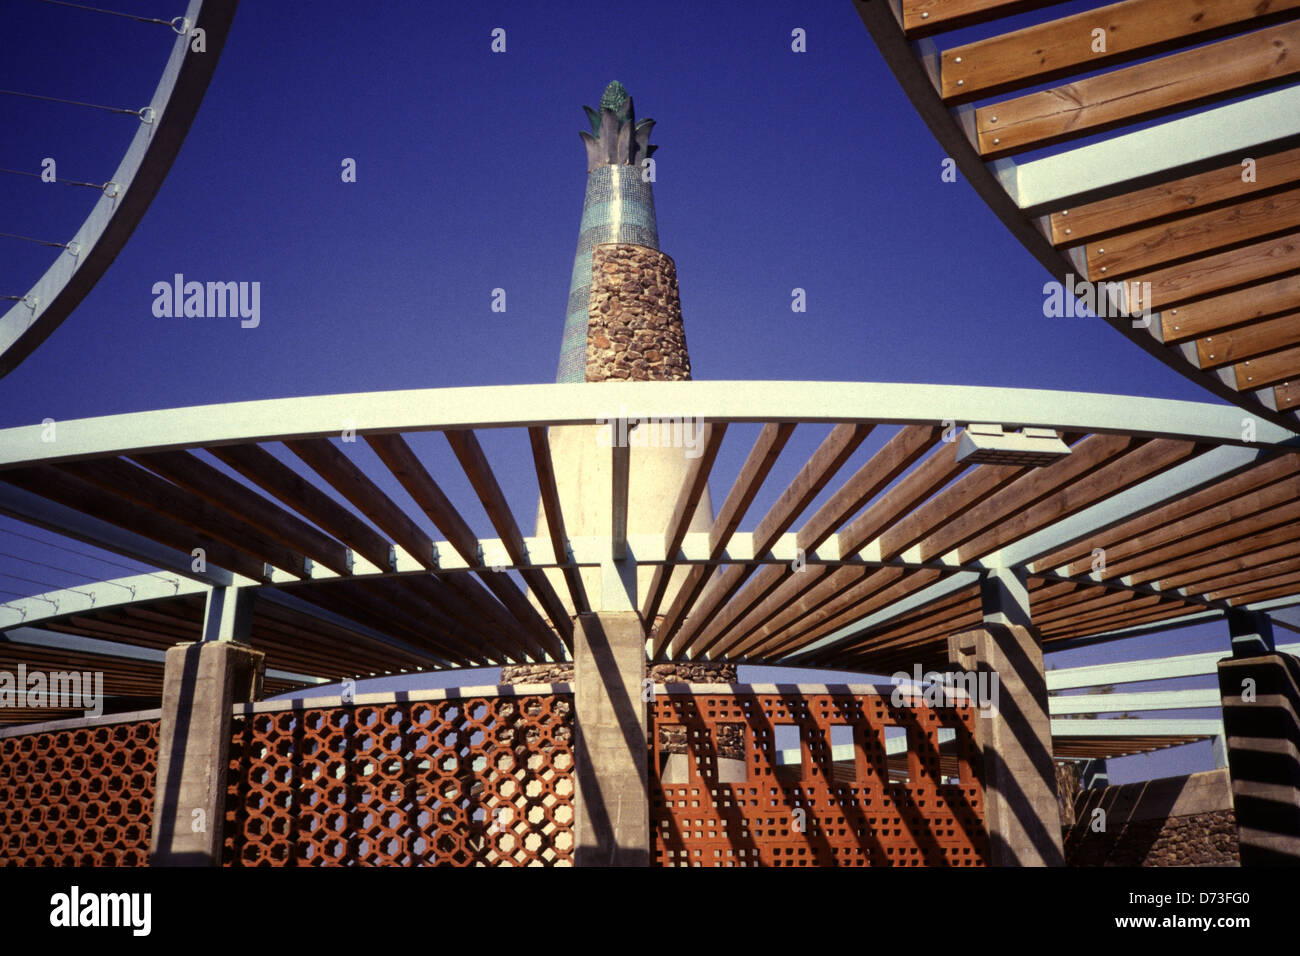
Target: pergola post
{"x": 611, "y": 757}
{"x": 1260, "y": 691}
{"x": 200, "y": 683}
{"x": 1013, "y": 736}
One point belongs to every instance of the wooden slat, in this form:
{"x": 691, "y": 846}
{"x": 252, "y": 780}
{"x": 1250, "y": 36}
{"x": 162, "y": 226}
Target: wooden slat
{"x": 1122, "y": 255}
{"x": 829, "y": 457}
{"x": 419, "y": 484}
{"x": 1222, "y": 312}
{"x": 1284, "y": 581}
{"x": 1216, "y": 495}
{"x": 1268, "y": 369}
{"x": 911, "y": 582}
{"x": 64, "y": 488}
{"x": 278, "y": 479}
{"x": 1252, "y": 557}
{"x": 1085, "y": 457}
{"x": 470, "y": 455}
{"x": 688, "y": 500}
{"x": 351, "y": 482}
{"x": 191, "y": 473}
{"x": 1149, "y": 460}
{"x": 1098, "y": 103}
{"x": 924, "y": 17}
{"x": 757, "y": 602}
{"x": 151, "y": 493}
{"x": 1248, "y": 342}
{"x": 971, "y": 490}
{"x": 1177, "y": 284}
{"x": 762, "y": 457}
{"x": 1287, "y": 394}
{"x": 1132, "y": 29}
{"x": 1203, "y": 542}
{"x": 1177, "y": 198}
{"x": 550, "y": 496}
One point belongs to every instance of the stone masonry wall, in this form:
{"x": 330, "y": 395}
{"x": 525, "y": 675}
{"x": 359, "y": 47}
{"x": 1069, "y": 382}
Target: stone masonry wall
{"x": 634, "y": 329}
{"x": 1202, "y": 839}
{"x": 561, "y": 672}
{"x": 1172, "y": 821}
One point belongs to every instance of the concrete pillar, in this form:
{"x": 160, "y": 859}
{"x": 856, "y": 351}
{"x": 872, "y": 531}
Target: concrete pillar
{"x": 200, "y": 683}
{"x": 1261, "y": 720}
{"x": 1014, "y": 737}
{"x": 613, "y": 810}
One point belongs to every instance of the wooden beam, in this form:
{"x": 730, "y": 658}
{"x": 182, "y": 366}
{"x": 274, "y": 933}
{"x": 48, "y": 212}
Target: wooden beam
{"x": 1268, "y": 369}
{"x": 1177, "y": 198}
{"x": 1146, "y": 462}
{"x": 829, "y": 457}
{"x": 470, "y": 455}
{"x": 1208, "y": 275}
{"x": 1098, "y": 103}
{"x": 762, "y": 457}
{"x": 924, "y": 17}
{"x": 1249, "y": 342}
{"x": 191, "y": 473}
{"x": 1248, "y": 221}
{"x": 688, "y": 499}
{"x": 1219, "y": 494}
{"x": 1131, "y": 29}
{"x": 278, "y": 479}
{"x": 399, "y": 459}
{"x": 758, "y": 602}
{"x": 151, "y": 493}
{"x": 544, "y": 465}
{"x": 73, "y": 492}
{"x": 1232, "y": 309}
{"x": 1287, "y": 394}
{"x": 1088, "y": 455}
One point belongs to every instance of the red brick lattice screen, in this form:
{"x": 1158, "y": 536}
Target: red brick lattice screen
{"x": 852, "y": 814}
{"x": 479, "y": 781}
{"x": 79, "y": 797}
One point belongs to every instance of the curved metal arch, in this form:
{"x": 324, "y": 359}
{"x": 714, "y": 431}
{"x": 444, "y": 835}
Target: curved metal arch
{"x": 998, "y": 183}
{"x": 138, "y": 177}
{"x": 587, "y": 403}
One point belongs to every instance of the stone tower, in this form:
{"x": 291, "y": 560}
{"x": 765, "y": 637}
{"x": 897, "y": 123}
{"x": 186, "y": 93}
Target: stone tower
{"x": 623, "y": 323}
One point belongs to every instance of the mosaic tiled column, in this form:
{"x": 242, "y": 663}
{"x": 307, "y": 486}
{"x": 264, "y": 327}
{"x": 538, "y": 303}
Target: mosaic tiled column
{"x": 619, "y": 207}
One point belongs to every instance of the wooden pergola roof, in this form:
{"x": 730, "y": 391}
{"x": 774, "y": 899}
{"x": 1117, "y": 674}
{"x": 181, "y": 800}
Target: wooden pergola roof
{"x": 1204, "y": 206}
{"x": 867, "y": 558}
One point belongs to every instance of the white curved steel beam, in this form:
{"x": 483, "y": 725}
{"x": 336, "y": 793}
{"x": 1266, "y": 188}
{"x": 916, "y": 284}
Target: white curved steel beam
{"x": 139, "y": 175}
{"x": 587, "y": 403}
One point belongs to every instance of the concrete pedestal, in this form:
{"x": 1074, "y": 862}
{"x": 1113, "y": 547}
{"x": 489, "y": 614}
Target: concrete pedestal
{"x": 1015, "y": 746}
{"x": 200, "y": 683}
{"x": 612, "y": 813}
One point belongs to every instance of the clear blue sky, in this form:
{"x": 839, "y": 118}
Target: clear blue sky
{"x": 776, "y": 170}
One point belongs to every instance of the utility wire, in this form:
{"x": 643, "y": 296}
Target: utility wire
{"x": 112, "y": 13}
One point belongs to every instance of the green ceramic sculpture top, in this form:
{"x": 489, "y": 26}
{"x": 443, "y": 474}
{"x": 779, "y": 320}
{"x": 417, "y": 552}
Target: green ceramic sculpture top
{"x": 616, "y": 137}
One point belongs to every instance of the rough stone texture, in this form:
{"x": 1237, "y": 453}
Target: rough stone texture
{"x": 702, "y": 672}
{"x": 1200, "y": 839}
{"x": 693, "y": 672}
{"x": 1067, "y": 788}
{"x": 634, "y": 326}
{"x": 560, "y": 672}
{"x": 729, "y": 739}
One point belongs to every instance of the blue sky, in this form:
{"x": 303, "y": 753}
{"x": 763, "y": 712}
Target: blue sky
{"x": 776, "y": 170}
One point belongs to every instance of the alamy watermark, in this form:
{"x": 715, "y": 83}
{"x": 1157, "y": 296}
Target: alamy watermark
{"x": 208, "y": 300}
{"x": 948, "y": 689}
{"x": 60, "y": 690}
{"x": 652, "y": 431}
{"x": 1102, "y": 299}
